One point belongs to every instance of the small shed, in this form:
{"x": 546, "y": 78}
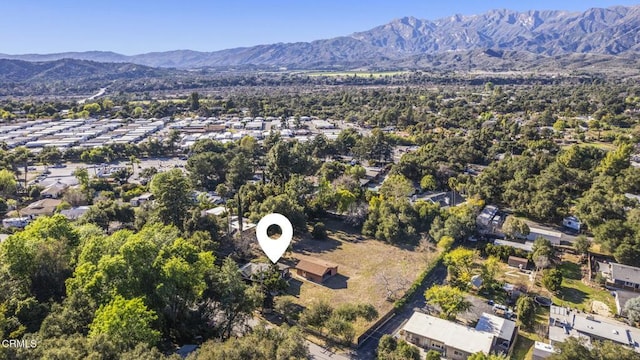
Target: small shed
{"x": 518, "y": 262}
{"x": 316, "y": 270}
{"x": 542, "y": 351}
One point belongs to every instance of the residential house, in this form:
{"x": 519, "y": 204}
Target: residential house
{"x": 54, "y": 190}
{"x": 254, "y": 271}
{"x": 216, "y": 211}
{"x": 139, "y": 200}
{"x": 553, "y": 236}
{"x": 485, "y": 220}
{"x": 246, "y": 224}
{"x": 518, "y": 262}
{"x": 442, "y": 198}
{"x": 41, "y": 207}
{"x": 620, "y": 276}
{"x": 316, "y": 270}
{"x": 504, "y": 331}
{"x": 455, "y": 341}
{"x": 565, "y": 323}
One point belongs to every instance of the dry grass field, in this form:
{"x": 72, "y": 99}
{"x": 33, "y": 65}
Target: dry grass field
{"x": 360, "y": 262}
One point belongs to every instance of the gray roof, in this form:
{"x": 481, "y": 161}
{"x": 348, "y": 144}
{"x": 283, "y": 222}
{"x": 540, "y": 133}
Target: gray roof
{"x": 454, "y": 335}
{"x": 498, "y": 326}
{"x": 553, "y": 236}
{"x": 566, "y": 323}
{"x": 527, "y": 246}
{"x": 625, "y": 273}
{"x": 249, "y": 269}
{"x": 75, "y": 212}
{"x": 487, "y": 214}
{"x": 185, "y": 350}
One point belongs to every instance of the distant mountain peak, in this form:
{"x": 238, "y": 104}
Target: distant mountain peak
{"x": 605, "y": 31}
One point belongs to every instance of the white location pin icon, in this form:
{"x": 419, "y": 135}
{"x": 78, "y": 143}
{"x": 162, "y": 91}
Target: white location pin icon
{"x": 274, "y": 248}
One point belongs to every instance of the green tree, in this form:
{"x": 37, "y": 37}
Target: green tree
{"x": 542, "y": 247}
{"x": 483, "y": 356}
{"x": 451, "y": 300}
{"x": 433, "y": 355}
{"x": 460, "y": 264}
{"x": 344, "y": 199}
{"x": 490, "y": 269}
{"x": 396, "y": 187}
{"x": 83, "y": 178}
{"x": 552, "y": 280}
{"x": 319, "y": 231}
{"x": 316, "y": 315}
{"x": 289, "y": 310}
{"x": 375, "y": 147}
{"x": 236, "y": 300}
{"x": 172, "y": 192}
{"x": 515, "y": 228}
{"x": 279, "y": 343}
{"x": 194, "y": 101}
{"x": 50, "y": 155}
{"x": 391, "y": 349}
{"x": 445, "y": 243}
{"x": 125, "y": 322}
{"x": 526, "y": 311}
{"x": 616, "y": 161}
{"x": 39, "y": 256}
{"x": 172, "y": 139}
{"x": 8, "y": 183}
{"x": 582, "y": 244}
{"x": 92, "y": 108}
{"x": 574, "y": 348}
{"x": 428, "y": 183}
{"x": 632, "y": 308}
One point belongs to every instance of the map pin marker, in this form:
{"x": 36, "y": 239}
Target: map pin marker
{"x": 274, "y": 248}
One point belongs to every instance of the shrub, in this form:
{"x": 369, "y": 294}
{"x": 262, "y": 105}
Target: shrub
{"x": 319, "y": 231}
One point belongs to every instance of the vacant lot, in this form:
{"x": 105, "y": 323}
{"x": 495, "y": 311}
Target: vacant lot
{"x": 361, "y": 261}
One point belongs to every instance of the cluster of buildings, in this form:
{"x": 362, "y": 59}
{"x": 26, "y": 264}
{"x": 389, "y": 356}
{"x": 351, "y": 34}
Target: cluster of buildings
{"x": 227, "y": 129}
{"x": 85, "y": 133}
{"x": 89, "y": 133}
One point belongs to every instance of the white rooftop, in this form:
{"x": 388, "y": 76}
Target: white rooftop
{"x": 455, "y": 335}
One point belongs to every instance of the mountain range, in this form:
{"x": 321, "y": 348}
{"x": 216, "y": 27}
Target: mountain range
{"x": 598, "y": 33}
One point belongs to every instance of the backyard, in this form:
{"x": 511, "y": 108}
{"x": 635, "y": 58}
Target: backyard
{"x": 361, "y": 263}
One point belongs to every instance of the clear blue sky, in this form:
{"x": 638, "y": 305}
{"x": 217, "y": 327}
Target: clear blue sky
{"x": 139, "y": 26}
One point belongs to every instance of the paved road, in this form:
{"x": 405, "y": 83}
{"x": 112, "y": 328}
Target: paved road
{"x": 393, "y": 326}
{"x": 93, "y": 97}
